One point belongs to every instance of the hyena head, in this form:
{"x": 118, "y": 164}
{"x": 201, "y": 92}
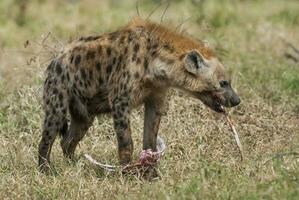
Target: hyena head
{"x": 204, "y": 78}
{"x": 207, "y": 80}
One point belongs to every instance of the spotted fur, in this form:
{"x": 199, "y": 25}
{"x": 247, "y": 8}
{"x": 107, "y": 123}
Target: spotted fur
{"x": 116, "y": 72}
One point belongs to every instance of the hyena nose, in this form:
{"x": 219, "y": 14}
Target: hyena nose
{"x": 235, "y": 101}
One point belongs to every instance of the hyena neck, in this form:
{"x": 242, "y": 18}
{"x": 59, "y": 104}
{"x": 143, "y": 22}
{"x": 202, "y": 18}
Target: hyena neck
{"x": 137, "y": 51}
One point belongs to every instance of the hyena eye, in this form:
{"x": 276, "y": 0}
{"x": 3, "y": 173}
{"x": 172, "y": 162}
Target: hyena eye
{"x": 223, "y": 83}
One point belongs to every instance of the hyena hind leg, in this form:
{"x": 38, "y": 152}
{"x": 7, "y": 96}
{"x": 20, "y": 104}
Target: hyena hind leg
{"x": 74, "y": 135}
{"x": 55, "y": 121}
{"x": 53, "y": 124}
{"x": 80, "y": 123}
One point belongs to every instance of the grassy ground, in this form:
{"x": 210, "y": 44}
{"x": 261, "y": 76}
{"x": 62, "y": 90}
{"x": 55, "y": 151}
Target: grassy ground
{"x": 201, "y": 161}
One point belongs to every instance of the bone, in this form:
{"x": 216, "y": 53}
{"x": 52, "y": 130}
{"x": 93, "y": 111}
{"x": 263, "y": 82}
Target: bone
{"x": 236, "y": 135}
{"x": 161, "y": 147}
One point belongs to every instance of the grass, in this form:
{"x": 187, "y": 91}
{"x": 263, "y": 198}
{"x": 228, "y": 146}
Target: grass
{"x": 202, "y": 160}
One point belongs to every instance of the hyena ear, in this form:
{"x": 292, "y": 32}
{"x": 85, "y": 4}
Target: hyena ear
{"x": 194, "y": 62}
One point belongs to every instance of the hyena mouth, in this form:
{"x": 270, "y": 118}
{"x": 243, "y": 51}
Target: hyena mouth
{"x": 218, "y": 107}
{"x": 218, "y": 102}
{"x": 213, "y": 99}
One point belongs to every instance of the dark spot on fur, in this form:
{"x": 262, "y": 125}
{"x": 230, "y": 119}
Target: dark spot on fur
{"x": 182, "y": 57}
{"x": 113, "y": 36}
{"x": 90, "y": 55}
{"x": 136, "y": 48}
{"x": 58, "y": 68}
{"x": 100, "y": 50}
{"x": 154, "y": 53}
{"x": 125, "y": 104}
{"x": 155, "y": 46}
{"x": 62, "y": 78}
{"x": 126, "y": 50}
{"x": 162, "y": 75}
{"x": 101, "y": 81}
{"x": 109, "y": 69}
{"x": 98, "y": 66}
{"x": 120, "y": 59}
{"x": 90, "y": 74}
{"x": 145, "y": 64}
{"x": 114, "y": 61}
{"x": 88, "y": 83}
{"x": 118, "y": 66}
{"x": 46, "y": 133}
{"x": 50, "y": 137}
{"x": 108, "y": 51}
{"x": 83, "y": 73}
{"x": 46, "y": 81}
{"x": 57, "y": 123}
{"x": 168, "y": 48}
{"x": 122, "y": 39}
{"x": 138, "y": 61}
{"x": 76, "y": 77}
{"x": 50, "y": 66}
{"x": 75, "y": 92}
{"x": 134, "y": 57}
{"x": 136, "y": 75}
{"x": 47, "y": 113}
{"x": 114, "y": 115}
{"x": 148, "y": 47}
{"x": 53, "y": 111}
{"x": 55, "y": 91}
{"x": 60, "y": 96}
{"x": 130, "y": 36}
{"x": 77, "y": 60}
{"x": 89, "y": 38}
{"x": 168, "y": 61}
{"x": 64, "y": 110}
{"x": 72, "y": 58}
{"x": 125, "y": 93}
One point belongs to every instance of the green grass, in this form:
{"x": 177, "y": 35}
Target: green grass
{"x": 202, "y": 160}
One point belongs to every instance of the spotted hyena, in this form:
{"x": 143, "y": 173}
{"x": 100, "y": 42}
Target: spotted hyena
{"x": 116, "y": 72}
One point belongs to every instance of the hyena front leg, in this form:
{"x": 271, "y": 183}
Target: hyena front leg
{"x": 152, "y": 117}
{"x": 120, "y": 113}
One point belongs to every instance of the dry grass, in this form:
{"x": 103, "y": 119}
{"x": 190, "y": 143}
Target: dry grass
{"x": 202, "y": 159}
